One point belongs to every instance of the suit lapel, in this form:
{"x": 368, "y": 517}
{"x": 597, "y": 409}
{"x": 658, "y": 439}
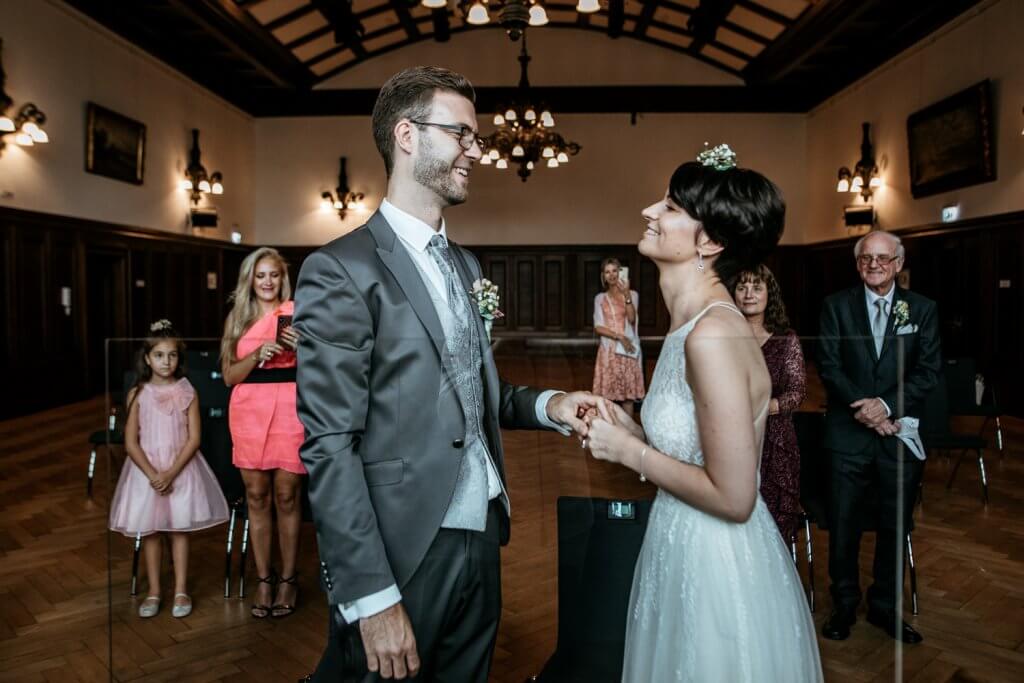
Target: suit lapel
{"x": 859, "y": 307}
{"x": 405, "y": 272}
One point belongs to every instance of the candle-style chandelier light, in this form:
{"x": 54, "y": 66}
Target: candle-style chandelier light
{"x": 514, "y": 15}
{"x": 524, "y": 133}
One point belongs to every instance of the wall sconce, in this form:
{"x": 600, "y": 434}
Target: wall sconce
{"x": 26, "y": 126}
{"x": 196, "y": 181}
{"x": 865, "y": 178}
{"x": 343, "y": 198}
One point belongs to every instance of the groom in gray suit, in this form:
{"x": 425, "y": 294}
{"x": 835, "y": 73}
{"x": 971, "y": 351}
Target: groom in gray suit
{"x": 403, "y": 406}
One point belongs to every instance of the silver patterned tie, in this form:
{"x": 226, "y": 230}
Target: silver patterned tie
{"x": 468, "y": 507}
{"x": 878, "y": 324}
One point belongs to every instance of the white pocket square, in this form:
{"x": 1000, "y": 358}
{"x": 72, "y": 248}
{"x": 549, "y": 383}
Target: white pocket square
{"x": 906, "y": 329}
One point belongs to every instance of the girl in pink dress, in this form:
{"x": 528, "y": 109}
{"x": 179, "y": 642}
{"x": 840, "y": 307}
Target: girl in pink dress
{"x": 618, "y": 373}
{"x": 166, "y": 486}
{"x": 258, "y": 360}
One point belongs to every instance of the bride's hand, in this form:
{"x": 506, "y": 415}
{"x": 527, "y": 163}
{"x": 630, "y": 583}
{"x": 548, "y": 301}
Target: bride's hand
{"x": 607, "y": 440}
{"x": 620, "y": 417}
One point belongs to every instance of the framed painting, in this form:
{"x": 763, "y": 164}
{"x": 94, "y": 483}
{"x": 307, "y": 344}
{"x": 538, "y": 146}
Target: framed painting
{"x": 951, "y": 142}
{"x": 115, "y": 145}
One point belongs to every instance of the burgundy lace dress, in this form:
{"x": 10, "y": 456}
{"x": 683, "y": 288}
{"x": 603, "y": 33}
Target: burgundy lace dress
{"x": 780, "y": 461}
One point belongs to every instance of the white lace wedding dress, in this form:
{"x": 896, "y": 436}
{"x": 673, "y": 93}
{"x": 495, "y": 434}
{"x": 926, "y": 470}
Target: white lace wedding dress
{"x": 712, "y": 601}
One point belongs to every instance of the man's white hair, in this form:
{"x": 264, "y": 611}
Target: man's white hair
{"x": 895, "y": 241}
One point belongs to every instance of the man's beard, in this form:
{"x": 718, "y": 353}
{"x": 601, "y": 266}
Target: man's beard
{"x": 435, "y": 173}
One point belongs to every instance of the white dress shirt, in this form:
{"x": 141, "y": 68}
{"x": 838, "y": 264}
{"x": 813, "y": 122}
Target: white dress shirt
{"x": 870, "y": 297}
{"x": 414, "y": 235}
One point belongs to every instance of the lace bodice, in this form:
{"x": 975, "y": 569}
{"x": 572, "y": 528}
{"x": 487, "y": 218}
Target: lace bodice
{"x": 668, "y": 414}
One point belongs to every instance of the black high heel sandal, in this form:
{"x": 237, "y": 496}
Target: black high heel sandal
{"x": 263, "y": 611}
{"x": 281, "y": 611}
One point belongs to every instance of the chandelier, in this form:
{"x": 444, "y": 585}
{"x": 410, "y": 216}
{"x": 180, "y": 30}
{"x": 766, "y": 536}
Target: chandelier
{"x": 523, "y": 136}
{"x": 513, "y": 15}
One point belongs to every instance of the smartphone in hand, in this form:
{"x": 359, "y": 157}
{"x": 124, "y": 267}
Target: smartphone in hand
{"x": 624, "y": 274}
{"x": 283, "y": 321}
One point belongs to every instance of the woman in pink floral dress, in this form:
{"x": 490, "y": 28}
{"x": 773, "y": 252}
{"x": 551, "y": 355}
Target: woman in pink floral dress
{"x": 618, "y": 373}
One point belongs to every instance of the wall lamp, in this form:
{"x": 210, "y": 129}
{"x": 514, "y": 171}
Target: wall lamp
{"x": 27, "y": 124}
{"x": 342, "y": 199}
{"x": 865, "y": 178}
{"x": 196, "y": 181}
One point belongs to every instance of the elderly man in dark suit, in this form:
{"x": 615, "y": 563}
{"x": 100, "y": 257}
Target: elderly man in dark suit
{"x": 868, "y": 334}
{"x": 402, "y": 405}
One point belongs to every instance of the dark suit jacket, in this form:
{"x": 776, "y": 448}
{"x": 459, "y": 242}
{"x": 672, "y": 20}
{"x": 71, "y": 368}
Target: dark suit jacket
{"x": 851, "y": 369}
{"x": 383, "y": 447}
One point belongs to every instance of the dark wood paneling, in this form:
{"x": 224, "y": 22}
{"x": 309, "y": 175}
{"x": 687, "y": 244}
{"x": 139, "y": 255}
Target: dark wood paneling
{"x": 54, "y": 356}
{"x": 526, "y": 303}
{"x": 545, "y": 291}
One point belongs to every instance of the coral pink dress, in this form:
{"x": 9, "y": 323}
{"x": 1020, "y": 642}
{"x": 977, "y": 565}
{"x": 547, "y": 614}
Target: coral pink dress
{"x": 265, "y": 428}
{"x": 195, "y": 501}
{"x": 617, "y": 377}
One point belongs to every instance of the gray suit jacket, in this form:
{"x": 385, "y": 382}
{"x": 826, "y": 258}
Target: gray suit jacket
{"x": 382, "y": 448}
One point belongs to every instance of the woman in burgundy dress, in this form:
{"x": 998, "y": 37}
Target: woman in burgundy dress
{"x": 758, "y": 296}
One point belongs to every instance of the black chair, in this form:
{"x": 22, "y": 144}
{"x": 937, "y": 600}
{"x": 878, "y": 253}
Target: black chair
{"x": 814, "y": 485}
{"x": 113, "y": 435}
{"x": 937, "y": 434}
{"x": 815, "y": 495}
{"x": 204, "y": 372}
{"x": 598, "y": 543}
{"x": 961, "y": 378}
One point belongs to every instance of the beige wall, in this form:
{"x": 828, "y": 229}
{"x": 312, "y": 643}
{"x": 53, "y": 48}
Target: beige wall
{"x": 984, "y": 43}
{"x": 596, "y": 199}
{"x": 59, "y": 60}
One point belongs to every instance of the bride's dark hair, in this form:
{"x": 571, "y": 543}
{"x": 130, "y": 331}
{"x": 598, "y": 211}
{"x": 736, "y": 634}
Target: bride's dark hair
{"x": 739, "y": 209}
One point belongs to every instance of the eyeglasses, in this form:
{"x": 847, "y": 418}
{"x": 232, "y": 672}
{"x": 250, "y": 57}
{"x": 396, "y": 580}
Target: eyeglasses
{"x": 466, "y": 135}
{"x": 881, "y": 259}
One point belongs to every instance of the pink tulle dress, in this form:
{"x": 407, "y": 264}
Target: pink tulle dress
{"x": 196, "y": 501}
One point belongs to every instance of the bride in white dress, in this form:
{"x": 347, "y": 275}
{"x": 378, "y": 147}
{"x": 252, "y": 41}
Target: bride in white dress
{"x": 716, "y": 596}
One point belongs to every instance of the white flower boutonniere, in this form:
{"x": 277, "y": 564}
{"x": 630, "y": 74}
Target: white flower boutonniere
{"x": 901, "y": 311}
{"x": 485, "y": 294}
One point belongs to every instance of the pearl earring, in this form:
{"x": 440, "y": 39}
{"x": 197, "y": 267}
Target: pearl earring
{"x": 700, "y": 262}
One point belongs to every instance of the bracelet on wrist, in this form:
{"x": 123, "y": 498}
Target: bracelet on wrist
{"x": 642, "y": 454}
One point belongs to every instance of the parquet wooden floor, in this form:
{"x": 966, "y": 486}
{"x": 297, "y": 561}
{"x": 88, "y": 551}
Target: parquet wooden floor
{"x": 56, "y": 622}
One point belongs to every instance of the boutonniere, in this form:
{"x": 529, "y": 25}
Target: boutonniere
{"x": 901, "y": 313}
{"x": 485, "y": 294}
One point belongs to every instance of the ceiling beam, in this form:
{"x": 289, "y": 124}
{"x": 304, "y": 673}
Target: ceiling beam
{"x": 818, "y": 25}
{"x": 348, "y": 30}
{"x": 442, "y": 29}
{"x": 401, "y": 8}
{"x": 646, "y": 14}
{"x": 616, "y": 17}
{"x": 289, "y": 17}
{"x": 770, "y": 14}
{"x": 235, "y": 28}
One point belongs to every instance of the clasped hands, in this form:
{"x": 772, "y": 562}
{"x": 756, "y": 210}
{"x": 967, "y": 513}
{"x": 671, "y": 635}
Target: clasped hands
{"x": 871, "y": 413}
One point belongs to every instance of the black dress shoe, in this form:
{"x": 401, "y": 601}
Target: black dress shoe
{"x": 837, "y": 626}
{"x": 887, "y": 622}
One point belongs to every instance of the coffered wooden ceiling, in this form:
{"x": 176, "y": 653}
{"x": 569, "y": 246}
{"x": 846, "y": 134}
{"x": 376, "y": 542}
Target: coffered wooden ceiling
{"x": 266, "y": 56}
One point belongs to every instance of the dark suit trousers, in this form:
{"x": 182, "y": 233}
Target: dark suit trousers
{"x": 864, "y": 496}
{"x": 454, "y": 603}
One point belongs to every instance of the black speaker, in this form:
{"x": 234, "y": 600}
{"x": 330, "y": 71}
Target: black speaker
{"x": 599, "y": 540}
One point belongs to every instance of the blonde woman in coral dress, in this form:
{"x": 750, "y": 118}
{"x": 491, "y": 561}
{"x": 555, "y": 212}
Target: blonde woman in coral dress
{"x": 618, "y": 372}
{"x": 259, "y": 361}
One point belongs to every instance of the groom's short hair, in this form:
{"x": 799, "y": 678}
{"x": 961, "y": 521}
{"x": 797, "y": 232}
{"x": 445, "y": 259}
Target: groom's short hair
{"x": 409, "y": 94}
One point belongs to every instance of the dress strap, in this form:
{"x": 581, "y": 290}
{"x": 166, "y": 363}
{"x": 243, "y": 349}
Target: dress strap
{"x": 723, "y": 304}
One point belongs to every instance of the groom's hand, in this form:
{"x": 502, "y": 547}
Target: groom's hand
{"x": 569, "y": 409}
{"x": 390, "y": 644}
